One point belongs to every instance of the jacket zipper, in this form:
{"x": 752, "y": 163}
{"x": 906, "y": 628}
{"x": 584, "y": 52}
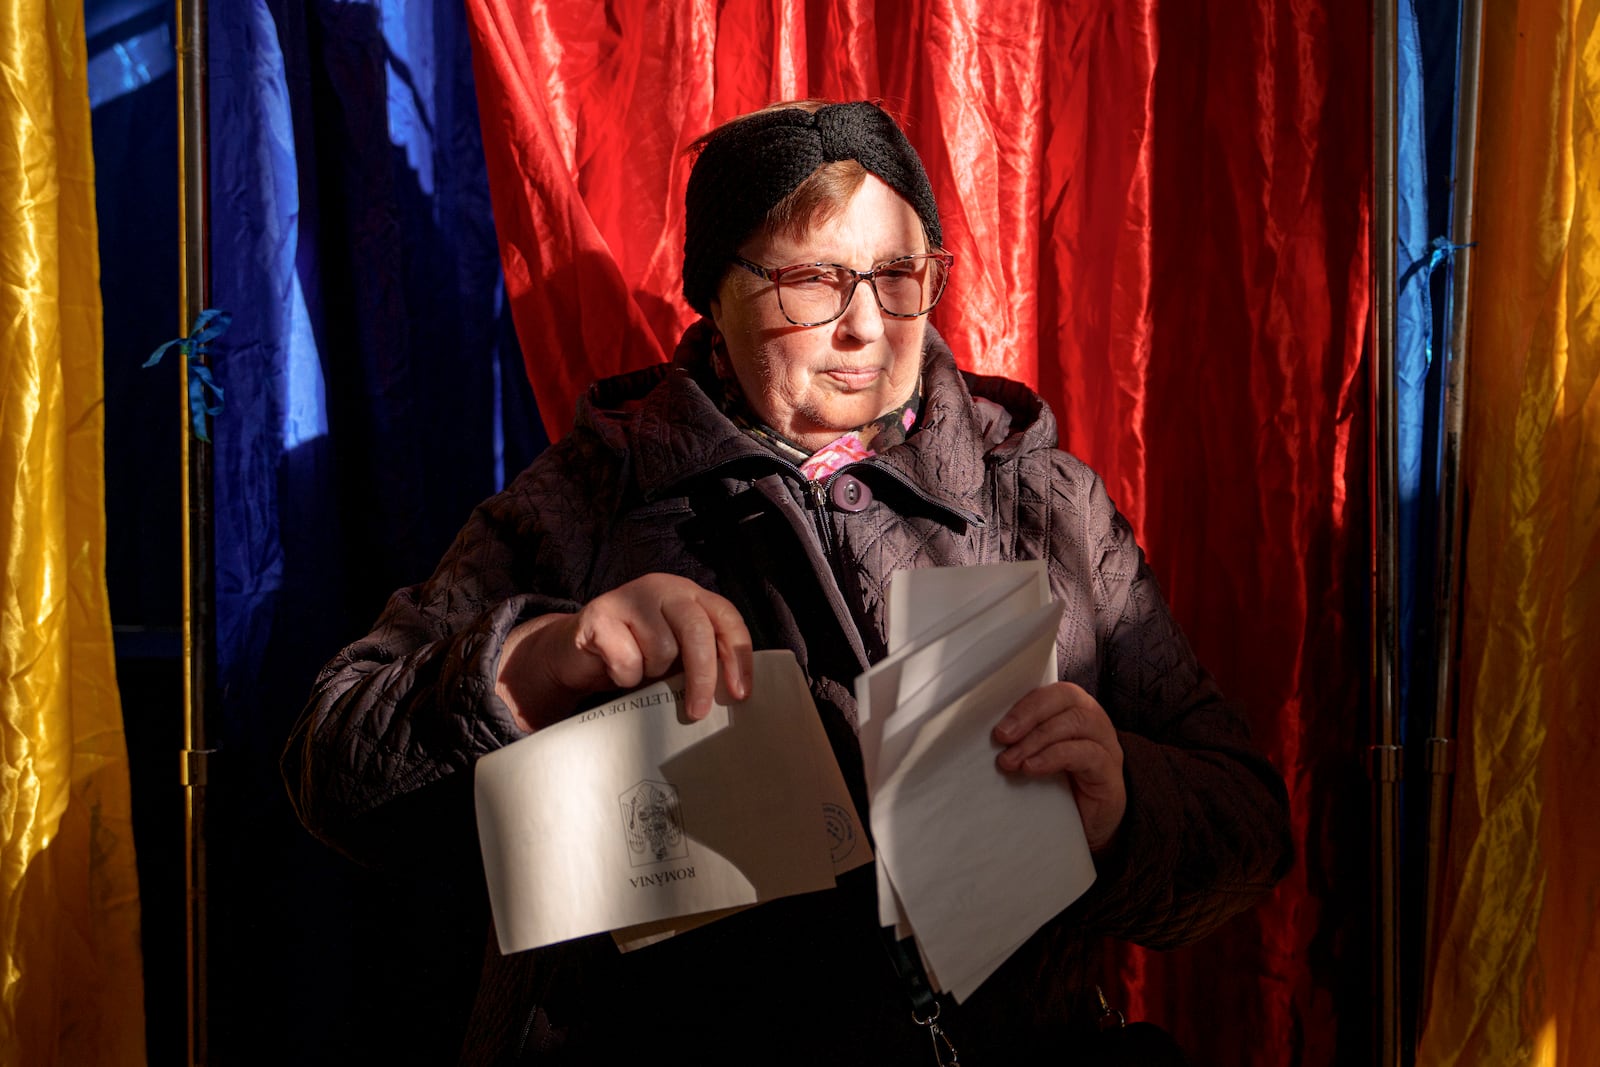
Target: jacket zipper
{"x": 819, "y": 503}
{"x": 817, "y": 495}
{"x": 527, "y": 1031}
{"x": 917, "y": 491}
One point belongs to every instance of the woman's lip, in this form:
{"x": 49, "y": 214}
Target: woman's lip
{"x": 854, "y": 377}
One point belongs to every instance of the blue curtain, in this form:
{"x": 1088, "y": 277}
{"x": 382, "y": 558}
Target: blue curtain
{"x": 1426, "y": 128}
{"x": 1427, "y": 101}
{"x": 1413, "y": 323}
{"x": 373, "y": 395}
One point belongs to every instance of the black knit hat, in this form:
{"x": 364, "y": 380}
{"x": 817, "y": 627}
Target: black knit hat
{"x": 749, "y": 165}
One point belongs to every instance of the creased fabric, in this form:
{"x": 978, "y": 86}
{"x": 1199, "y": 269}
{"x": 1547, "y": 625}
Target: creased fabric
{"x": 369, "y": 408}
{"x": 1517, "y": 976}
{"x": 1413, "y": 355}
{"x": 1159, "y": 214}
{"x": 71, "y": 988}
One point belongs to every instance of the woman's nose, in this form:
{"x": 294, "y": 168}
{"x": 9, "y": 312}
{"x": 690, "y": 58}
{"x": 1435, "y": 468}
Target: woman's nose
{"x": 863, "y": 318}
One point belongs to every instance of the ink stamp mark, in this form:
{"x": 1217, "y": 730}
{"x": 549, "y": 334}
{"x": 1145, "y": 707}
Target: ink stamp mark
{"x": 653, "y": 823}
{"x": 841, "y": 831}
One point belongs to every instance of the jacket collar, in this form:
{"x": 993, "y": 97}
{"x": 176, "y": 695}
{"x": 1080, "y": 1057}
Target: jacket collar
{"x": 664, "y": 419}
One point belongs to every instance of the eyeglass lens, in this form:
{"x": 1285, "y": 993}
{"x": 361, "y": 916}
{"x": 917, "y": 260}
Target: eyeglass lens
{"x": 819, "y": 292}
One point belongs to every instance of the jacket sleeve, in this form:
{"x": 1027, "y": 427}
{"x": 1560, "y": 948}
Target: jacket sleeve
{"x": 1206, "y": 831}
{"x": 374, "y": 764}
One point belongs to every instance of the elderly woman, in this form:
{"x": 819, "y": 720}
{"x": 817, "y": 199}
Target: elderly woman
{"x": 811, "y": 436}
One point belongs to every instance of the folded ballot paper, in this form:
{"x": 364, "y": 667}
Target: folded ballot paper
{"x": 971, "y": 861}
{"x": 628, "y": 818}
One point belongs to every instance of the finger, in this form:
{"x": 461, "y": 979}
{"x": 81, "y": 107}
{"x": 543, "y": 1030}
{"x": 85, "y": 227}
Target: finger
{"x": 697, "y": 647}
{"x": 734, "y": 647}
{"x": 1038, "y": 705}
{"x": 1053, "y": 701}
{"x": 1060, "y": 704}
{"x": 659, "y": 642}
{"x": 1065, "y": 726}
{"x": 616, "y": 646}
{"x": 1092, "y": 768}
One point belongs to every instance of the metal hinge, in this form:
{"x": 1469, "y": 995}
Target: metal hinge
{"x": 1385, "y": 763}
{"x": 193, "y": 765}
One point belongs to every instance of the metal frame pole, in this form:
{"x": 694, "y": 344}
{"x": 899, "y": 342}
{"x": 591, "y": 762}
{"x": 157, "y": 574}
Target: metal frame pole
{"x": 1440, "y": 755}
{"x": 1384, "y": 755}
{"x": 198, "y": 650}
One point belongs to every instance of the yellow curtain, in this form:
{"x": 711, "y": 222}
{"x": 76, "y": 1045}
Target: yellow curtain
{"x": 1518, "y": 972}
{"x": 71, "y": 990}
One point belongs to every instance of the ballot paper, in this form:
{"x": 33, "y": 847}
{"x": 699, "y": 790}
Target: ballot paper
{"x": 949, "y": 616}
{"x": 847, "y": 845}
{"x": 631, "y": 819}
{"x": 971, "y": 861}
{"x": 930, "y": 600}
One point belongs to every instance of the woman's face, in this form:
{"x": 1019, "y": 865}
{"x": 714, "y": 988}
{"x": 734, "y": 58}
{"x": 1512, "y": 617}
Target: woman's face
{"x": 813, "y": 383}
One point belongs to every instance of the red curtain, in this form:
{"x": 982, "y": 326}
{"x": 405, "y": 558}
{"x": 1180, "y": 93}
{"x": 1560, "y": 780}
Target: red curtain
{"x": 1159, "y": 213}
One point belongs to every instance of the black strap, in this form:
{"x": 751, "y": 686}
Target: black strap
{"x": 903, "y": 957}
{"x": 924, "y": 1003}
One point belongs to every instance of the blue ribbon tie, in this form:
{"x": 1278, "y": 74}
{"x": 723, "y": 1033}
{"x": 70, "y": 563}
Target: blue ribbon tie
{"x": 205, "y": 395}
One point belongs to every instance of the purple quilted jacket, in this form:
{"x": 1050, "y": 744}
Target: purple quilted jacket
{"x": 655, "y": 478}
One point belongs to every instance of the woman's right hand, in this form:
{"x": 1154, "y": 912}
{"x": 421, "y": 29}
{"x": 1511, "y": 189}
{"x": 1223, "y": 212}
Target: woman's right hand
{"x": 635, "y": 633}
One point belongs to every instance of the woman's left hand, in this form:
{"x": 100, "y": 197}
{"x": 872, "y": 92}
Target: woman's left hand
{"x": 1060, "y": 729}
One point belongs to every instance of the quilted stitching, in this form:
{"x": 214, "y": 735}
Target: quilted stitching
{"x": 655, "y": 479}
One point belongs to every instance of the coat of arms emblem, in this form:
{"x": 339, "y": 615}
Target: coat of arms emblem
{"x": 653, "y": 823}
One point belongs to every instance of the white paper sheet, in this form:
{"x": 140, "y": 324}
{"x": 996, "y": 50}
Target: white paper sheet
{"x": 973, "y": 654}
{"x": 980, "y": 860}
{"x": 628, "y": 814}
{"x": 1009, "y": 591}
{"x": 943, "y": 674}
{"x": 924, "y": 601}
{"x": 952, "y": 611}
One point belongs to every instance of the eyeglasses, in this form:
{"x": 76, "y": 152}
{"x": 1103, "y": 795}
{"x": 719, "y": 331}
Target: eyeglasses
{"x": 814, "y": 294}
